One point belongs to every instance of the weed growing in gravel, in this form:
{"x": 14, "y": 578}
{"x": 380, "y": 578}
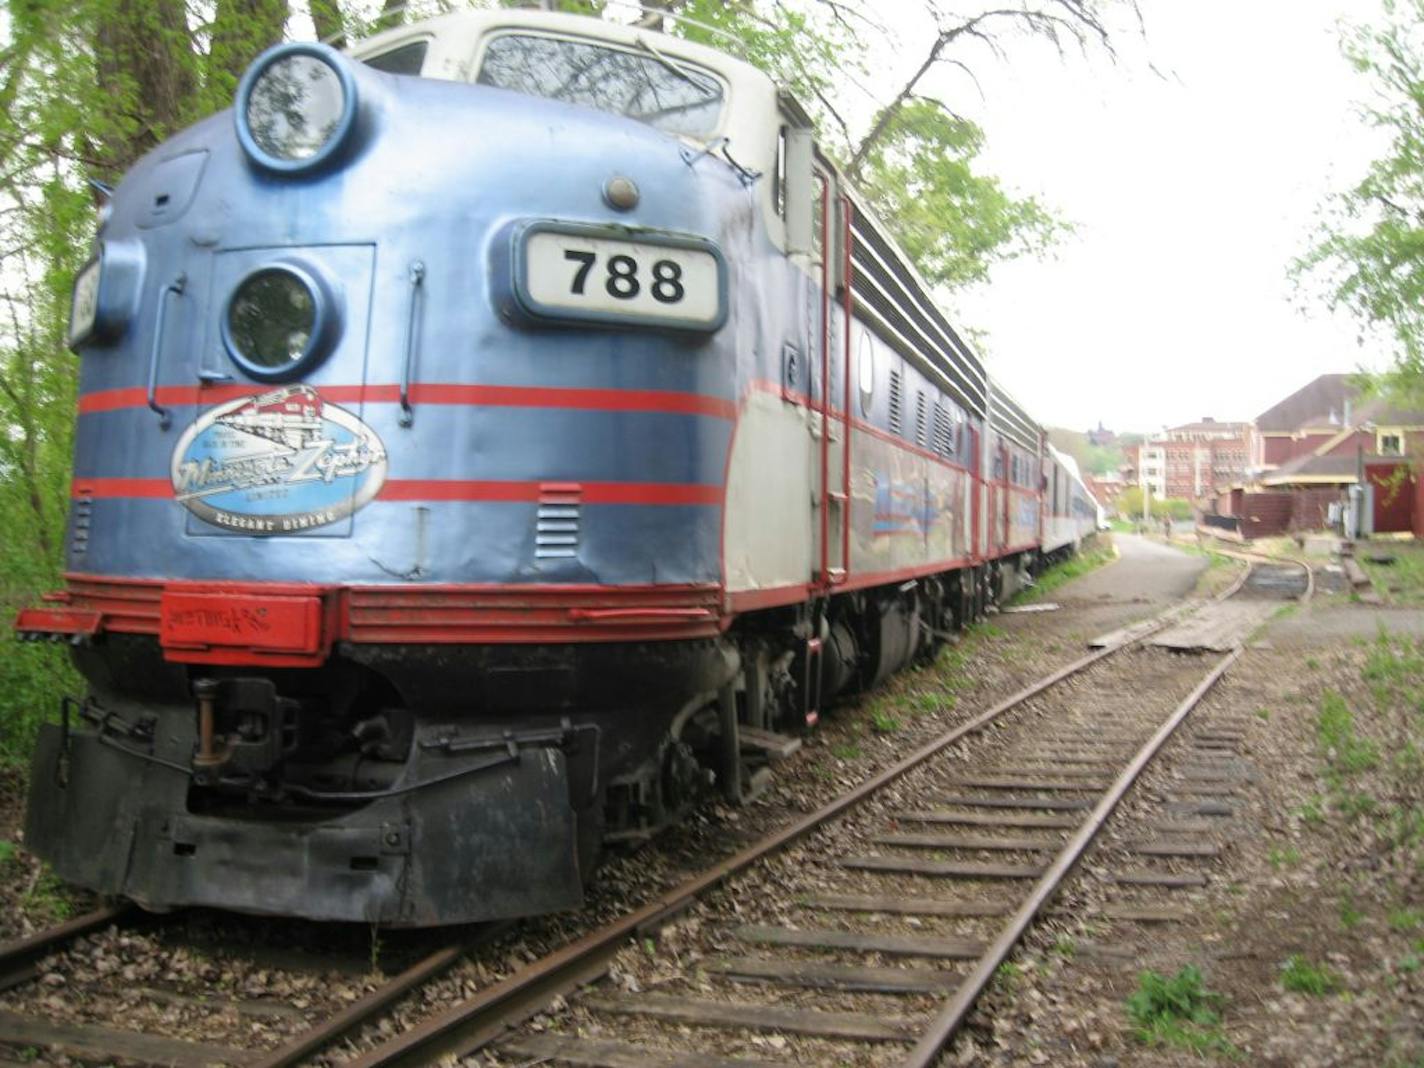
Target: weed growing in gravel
{"x": 46, "y": 900}
{"x": 1300, "y": 976}
{"x": 1007, "y": 975}
{"x": 1406, "y": 919}
{"x": 1350, "y": 916}
{"x": 1178, "y": 1011}
{"x": 1312, "y": 663}
{"x": 1346, "y": 753}
{"x": 1283, "y": 857}
{"x": 1312, "y": 812}
{"x": 1065, "y": 947}
{"x": 846, "y": 752}
{"x": 1065, "y": 572}
{"x": 7, "y": 851}
{"x": 885, "y": 723}
{"x": 1263, "y": 714}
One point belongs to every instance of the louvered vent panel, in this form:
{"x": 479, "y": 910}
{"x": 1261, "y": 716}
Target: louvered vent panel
{"x": 556, "y": 532}
{"x": 943, "y": 433}
{"x": 920, "y": 424}
{"x": 896, "y": 401}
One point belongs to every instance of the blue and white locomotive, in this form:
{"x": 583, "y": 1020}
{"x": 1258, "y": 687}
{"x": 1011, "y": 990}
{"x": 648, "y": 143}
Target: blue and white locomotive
{"x": 488, "y": 440}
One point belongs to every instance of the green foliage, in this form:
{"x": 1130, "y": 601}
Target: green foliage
{"x": 1368, "y": 255}
{"x": 1300, "y": 976}
{"x": 1283, "y": 857}
{"x": 1178, "y": 1011}
{"x": 1129, "y": 506}
{"x": 1067, "y": 571}
{"x": 954, "y": 222}
{"x": 884, "y": 723}
{"x": 1345, "y": 751}
{"x": 848, "y": 751}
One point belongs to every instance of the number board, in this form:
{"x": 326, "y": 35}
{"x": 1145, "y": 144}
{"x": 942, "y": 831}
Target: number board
{"x": 84, "y": 309}
{"x": 570, "y": 272}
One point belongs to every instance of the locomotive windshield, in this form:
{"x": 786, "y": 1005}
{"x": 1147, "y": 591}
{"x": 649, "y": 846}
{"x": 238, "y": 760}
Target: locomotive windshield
{"x": 651, "y": 89}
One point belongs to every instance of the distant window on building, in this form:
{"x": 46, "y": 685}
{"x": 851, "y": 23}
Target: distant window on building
{"x": 1391, "y": 444}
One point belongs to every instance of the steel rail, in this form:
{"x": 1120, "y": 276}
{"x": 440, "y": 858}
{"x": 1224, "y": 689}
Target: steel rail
{"x": 485, "y": 1014}
{"x": 19, "y": 956}
{"x": 946, "y": 1024}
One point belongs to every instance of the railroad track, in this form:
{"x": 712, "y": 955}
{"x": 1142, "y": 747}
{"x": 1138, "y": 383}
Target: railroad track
{"x": 894, "y": 906}
{"x": 865, "y": 932}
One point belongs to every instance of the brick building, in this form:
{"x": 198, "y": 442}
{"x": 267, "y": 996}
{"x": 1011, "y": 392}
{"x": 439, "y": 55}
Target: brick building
{"x": 1311, "y": 448}
{"x": 1192, "y": 460}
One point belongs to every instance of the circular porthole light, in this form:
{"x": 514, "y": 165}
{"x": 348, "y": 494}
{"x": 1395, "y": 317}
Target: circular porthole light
{"x": 276, "y": 323}
{"x": 295, "y": 106}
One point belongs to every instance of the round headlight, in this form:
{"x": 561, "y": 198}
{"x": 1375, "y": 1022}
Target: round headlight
{"x": 276, "y": 322}
{"x": 295, "y": 106}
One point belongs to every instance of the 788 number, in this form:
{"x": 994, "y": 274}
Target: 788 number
{"x": 621, "y": 277}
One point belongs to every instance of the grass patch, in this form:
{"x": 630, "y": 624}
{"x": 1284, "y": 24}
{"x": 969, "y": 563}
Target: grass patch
{"x": 847, "y": 751}
{"x": 1283, "y": 857}
{"x": 1346, "y": 753}
{"x": 1403, "y": 580}
{"x": 1178, "y": 1011}
{"x": 1067, "y": 571}
{"x": 47, "y": 901}
{"x": 882, "y": 722}
{"x": 1350, "y": 915}
{"x": 1301, "y": 976}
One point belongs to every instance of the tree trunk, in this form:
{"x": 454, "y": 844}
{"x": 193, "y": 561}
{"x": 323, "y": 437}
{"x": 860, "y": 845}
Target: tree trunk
{"x": 145, "y": 68}
{"x": 242, "y": 29}
{"x": 326, "y": 18}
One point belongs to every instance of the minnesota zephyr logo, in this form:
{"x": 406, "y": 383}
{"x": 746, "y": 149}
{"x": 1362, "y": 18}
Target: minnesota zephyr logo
{"x": 280, "y": 463}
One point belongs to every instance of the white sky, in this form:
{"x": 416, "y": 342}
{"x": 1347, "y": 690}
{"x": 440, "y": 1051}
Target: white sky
{"x": 1191, "y": 189}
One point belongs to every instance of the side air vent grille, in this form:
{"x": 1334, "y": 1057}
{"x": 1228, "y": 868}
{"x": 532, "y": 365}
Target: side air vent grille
{"x": 896, "y": 401}
{"x": 920, "y": 425}
{"x": 943, "y": 433}
{"x": 556, "y": 533}
{"x": 83, "y": 516}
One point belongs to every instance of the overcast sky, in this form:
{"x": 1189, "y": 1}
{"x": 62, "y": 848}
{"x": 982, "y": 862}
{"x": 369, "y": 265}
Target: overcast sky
{"x": 1191, "y": 190}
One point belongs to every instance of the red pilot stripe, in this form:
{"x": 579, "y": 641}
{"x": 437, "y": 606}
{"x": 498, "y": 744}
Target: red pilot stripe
{"x": 652, "y": 493}
{"x": 601, "y": 400}
{"x": 639, "y": 493}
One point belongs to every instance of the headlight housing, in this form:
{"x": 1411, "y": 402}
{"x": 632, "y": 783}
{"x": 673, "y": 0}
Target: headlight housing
{"x": 278, "y": 322}
{"x": 296, "y": 107}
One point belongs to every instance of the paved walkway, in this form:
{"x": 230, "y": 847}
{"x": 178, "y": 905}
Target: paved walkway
{"x": 1148, "y": 572}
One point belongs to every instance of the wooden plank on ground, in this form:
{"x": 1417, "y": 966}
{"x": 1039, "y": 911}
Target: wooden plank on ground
{"x": 1194, "y": 807}
{"x": 1175, "y": 849}
{"x": 1145, "y": 913}
{"x": 1170, "y": 880}
{"x": 1054, "y": 804}
{"x": 600, "y": 1053}
{"x": 861, "y": 942}
{"x": 969, "y": 841}
{"x": 836, "y": 976}
{"x": 704, "y": 1012}
{"x": 945, "y": 868}
{"x": 908, "y": 906}
{"x": 990, "y": 819}
{"x": 91, "y": 1040}
{"x": 1025, "y": 782}
{"x": 1183, "y": 826}
{"x": 1055, "y": 770}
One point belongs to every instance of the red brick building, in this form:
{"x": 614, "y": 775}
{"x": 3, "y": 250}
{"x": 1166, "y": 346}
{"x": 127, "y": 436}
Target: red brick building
{"x": 1317, "y": 443}
{"x": 1192, "y": 460}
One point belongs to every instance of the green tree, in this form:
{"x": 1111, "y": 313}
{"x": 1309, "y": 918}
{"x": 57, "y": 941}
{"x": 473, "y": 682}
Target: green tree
{"x": 1368, "y": 256}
